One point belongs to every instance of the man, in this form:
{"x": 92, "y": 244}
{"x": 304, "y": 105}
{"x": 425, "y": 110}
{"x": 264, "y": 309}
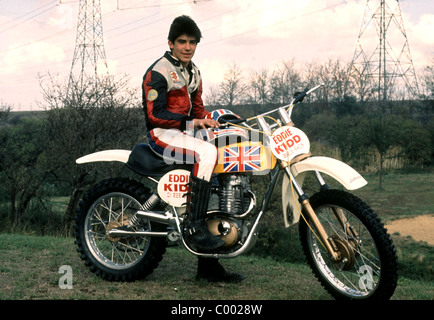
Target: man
{"x": 172, "y": 100}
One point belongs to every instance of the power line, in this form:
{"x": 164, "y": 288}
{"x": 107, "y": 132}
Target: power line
{"x": 23, "y": 15}
{"x": 54, "y": 34}
{"x": 278, "y": 22}
{"x": 34, "y": 41}
{"x": 238, "y": 34}
{"x": 162, "y": 34}
{"x": 236, "y": 19}
{"x": 161, "y": 5}
{"x": 203, "y": 30}
{"x": 63, "y": 31}
{"x": 29, "y": 18}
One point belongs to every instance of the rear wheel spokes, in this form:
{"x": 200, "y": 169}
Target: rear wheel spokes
{"x": 109, "y": 212}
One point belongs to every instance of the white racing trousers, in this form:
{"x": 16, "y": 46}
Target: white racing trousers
{"x": 177, "y": 147}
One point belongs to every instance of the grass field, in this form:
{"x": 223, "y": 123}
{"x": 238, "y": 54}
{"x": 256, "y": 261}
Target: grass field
{"x": 30, "y": 270}
{"x": 402, "y": 196}
{"x": 29, "y": 265}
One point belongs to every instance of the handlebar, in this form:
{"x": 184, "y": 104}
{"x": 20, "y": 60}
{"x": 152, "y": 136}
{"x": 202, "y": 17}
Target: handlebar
{"x": 232, "y": 121}
{"x": 298, "y": 97}
{"x": 285, "y": 112}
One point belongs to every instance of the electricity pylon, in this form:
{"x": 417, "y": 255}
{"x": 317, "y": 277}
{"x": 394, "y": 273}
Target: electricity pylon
{"x": 89, "y": 52}
{"x": 382, "y": 59}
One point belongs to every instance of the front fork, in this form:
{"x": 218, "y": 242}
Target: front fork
{"x": 327, "y": 241}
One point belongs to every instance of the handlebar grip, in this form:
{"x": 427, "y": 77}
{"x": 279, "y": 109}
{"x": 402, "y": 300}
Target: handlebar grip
{"x": 299, "y": 96}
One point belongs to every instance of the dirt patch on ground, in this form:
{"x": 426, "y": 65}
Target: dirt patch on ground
{"x": 420, "y": 228}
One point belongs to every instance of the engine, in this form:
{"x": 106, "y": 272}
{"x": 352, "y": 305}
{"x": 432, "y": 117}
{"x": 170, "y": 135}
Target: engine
{"x": 235, "y": 197}
{"x": 231, "y": 201}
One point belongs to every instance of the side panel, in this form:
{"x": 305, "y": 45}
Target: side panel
{"x": 172, "y": 187}
{"x": 246, "y": 156}
{"x": 336, "y": 169}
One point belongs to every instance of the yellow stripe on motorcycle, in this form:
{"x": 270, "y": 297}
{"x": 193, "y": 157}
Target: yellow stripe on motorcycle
{"x": 246, "y": 156}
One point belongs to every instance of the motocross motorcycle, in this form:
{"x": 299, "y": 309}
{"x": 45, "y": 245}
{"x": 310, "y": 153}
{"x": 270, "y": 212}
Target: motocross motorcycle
{"x": 123, "y": 227}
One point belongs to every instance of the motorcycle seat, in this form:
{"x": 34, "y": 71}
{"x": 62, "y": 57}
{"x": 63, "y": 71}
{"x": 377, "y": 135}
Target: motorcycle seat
{"x": 144, "y": 161}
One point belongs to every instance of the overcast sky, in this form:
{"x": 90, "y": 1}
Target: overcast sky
{"x": 38, "y": 36}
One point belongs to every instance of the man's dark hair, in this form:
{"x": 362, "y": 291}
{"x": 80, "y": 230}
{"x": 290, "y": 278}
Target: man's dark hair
{"x": 184, "y": 25}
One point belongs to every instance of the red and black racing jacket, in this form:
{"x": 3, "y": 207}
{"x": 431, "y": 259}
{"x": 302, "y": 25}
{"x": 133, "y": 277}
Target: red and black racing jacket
{"x": 172, "y": 94}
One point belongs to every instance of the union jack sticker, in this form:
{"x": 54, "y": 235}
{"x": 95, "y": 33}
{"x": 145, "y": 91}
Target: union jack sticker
{"x": 245, "y": 158}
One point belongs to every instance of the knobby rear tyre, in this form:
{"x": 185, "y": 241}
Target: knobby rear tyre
{"x": 110, "y": 204}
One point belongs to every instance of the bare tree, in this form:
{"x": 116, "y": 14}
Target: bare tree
{"x": 339, "y": 72}
{"x": 233, "y": 87}
{"x": 361, "y": 84}
{"x": 258, "y": 90}
{"x": 428, "y": 81}
{"x": 91, "y": 119}
{"x": 333, "y": 74}
{"x": 284, "y": 82}
{"x": 212, "y": 97}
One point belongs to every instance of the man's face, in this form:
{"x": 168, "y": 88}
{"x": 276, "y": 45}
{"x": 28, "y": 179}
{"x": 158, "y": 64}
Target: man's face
{"x": 183, "y": 49}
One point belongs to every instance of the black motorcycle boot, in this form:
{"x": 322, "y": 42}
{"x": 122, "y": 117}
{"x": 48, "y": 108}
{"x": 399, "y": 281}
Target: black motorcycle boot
{"x": 211, "y": 270}
{"x": 197, "y": 206}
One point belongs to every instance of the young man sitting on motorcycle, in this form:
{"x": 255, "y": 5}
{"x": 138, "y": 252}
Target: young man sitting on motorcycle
{"x": 172, "y": 101}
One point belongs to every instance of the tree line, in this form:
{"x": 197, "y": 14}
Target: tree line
{"x": 38, "y": 151}
{"x": 348, "y": 113}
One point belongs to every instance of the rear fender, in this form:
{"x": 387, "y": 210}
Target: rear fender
{"x": 341, "y": 172}
{"x": 107, "y": 155}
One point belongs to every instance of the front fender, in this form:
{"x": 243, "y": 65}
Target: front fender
{"x": 107, "y": 155}
{"x": 336, "y": 169}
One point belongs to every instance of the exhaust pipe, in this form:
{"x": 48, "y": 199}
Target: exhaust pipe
{"x": 123, "y": 233}
{"x": 163, "y": 218}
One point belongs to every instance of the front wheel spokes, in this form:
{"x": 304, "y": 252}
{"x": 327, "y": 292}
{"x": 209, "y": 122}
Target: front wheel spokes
{"x": 363, "y": 275}
{"x": 340, "y": 229}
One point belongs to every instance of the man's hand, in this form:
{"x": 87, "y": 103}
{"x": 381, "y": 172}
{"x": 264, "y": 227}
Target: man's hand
{"x": 205, "y": 123}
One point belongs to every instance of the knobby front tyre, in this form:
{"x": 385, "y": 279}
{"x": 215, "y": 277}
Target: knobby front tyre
{"x": 111, "y": 204}
{"x": 367, "y": 269}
